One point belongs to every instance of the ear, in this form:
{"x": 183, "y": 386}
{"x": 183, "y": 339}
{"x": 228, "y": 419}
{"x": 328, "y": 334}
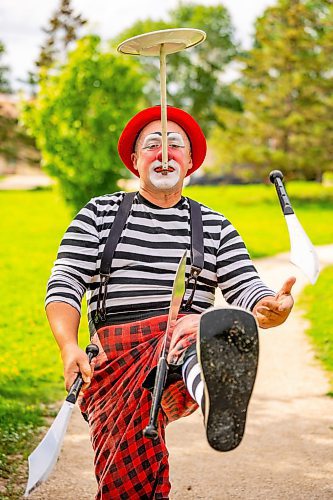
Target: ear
{"x": 190, "y": 161}
{"x": 134, "y": 159}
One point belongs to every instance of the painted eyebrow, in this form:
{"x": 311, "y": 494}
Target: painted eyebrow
{"x": 150, "y": 137}
{"x": 160, "y": 133}
{"x": 176, "y": 136}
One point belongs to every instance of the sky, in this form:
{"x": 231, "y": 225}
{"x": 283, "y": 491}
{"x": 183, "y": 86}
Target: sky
{"x": 21, "y": 22}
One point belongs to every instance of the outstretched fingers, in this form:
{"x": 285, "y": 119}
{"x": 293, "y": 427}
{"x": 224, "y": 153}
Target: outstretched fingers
{"x": 286, "y": 287}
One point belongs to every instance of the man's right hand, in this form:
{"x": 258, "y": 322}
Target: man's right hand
{"x": 76, "y": 361}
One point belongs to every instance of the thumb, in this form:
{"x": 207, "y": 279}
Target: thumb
{"x": 287, "y": 286}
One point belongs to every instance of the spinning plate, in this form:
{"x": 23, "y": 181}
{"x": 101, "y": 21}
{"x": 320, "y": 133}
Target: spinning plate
{"x": 173, "y": 40}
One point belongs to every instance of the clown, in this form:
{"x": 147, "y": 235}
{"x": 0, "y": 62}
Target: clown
{"x": 136, "y": 298}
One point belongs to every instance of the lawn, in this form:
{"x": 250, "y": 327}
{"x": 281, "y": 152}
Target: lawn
{"x": 255, "y": 212}
{"x": 32, "y": 224}
{"x": 317, "y": 302}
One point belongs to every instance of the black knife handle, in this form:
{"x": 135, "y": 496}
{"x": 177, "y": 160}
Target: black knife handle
{"x": 73, "y": 393}
{"x": 151, "y": 431}
{"x": 276, "y": 178}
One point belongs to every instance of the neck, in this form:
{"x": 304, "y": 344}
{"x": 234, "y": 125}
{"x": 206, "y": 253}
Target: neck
{"x": 163, "y": 199}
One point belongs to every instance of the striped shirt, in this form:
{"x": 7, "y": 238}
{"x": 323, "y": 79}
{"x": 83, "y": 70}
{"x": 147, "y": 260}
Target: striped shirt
{"x": 146, "y": 259}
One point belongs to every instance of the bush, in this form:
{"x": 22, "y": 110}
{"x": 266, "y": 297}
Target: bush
{"x": 78, "y": 116}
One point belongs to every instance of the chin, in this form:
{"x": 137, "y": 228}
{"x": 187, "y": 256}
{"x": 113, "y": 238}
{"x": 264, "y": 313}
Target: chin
{"x": 164, "y": 184}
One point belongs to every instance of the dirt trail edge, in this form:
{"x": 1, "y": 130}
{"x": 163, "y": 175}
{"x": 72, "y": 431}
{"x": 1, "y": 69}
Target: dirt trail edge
{"x": 287, "y": 451}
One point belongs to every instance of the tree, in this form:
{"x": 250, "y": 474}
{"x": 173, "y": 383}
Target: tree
{"x": 4, "y": 82}
{"x": 195, "y": 76}
{"x": 77, "y": 118}
{"x": 14, "y": 143}
{"x": 63, "y": 30}
{"x": 287, "y": 92}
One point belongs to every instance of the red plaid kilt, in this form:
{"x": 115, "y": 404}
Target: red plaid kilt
{"x": 127, "y": 465}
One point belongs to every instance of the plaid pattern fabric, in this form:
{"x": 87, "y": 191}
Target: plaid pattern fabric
{"x": 127, "y": 465}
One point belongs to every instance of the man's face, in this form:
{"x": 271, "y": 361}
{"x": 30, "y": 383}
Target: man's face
{"x": 147, "y": 158}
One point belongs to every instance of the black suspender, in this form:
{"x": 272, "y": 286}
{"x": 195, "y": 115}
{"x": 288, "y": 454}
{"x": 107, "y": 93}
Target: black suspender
{"x": 115, "y": 233}
{"x": 109, "y": 249}
{"x": 197, "y": 252}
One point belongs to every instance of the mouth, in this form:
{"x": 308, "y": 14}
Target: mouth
{"x": 160, "y": 170}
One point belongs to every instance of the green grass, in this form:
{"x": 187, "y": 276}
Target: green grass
{"x": 318, "y": 304}
{"x": 255, "y": 212}
{"x": 31, "y": 227}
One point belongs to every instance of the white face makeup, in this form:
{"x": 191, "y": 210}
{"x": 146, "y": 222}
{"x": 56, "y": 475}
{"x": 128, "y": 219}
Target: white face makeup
{"x": 154, "y": 141}
{"x": 163, "y": 179}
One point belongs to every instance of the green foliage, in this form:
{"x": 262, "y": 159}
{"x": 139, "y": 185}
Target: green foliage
{"x": 77, "y": 118}
{"x": 194, "y": 77}
{"x": 317, "y": 302}
{"x": 286, "y": 87}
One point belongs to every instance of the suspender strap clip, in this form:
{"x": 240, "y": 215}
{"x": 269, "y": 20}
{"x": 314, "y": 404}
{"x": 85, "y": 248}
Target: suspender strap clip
{"x": 194, "y": 272}
{"x": 100, "y": 314}
{"x": 194, "y": 278}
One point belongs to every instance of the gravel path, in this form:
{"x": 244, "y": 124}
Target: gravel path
{"x": 287, "y": 451}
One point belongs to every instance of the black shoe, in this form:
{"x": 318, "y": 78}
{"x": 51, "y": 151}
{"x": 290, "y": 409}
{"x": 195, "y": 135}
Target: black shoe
{"x": 228, "y": 348}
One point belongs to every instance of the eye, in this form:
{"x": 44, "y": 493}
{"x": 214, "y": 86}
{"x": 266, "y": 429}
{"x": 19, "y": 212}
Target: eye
{"x": 152, "y": 146}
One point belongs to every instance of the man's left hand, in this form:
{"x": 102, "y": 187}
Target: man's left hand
{"x": 272, "y": 311}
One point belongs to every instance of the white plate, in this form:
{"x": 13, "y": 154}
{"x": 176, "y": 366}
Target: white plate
{"x": 173, "y": 40}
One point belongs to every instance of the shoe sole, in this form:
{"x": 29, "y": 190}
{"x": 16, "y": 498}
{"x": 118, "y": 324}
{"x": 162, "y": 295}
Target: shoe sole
{"x": 228, "y": 349}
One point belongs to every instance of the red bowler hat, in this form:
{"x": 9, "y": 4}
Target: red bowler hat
{"x": 133, "y": 128}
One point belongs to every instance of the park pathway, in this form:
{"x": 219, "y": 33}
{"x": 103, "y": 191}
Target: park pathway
{"x": 25, "y": 179}
{"x": 287, "y": 451}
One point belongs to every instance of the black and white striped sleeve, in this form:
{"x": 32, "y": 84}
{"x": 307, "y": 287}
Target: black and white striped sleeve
{"x": 76, "y": 259}
{"x": 237, "y": 277}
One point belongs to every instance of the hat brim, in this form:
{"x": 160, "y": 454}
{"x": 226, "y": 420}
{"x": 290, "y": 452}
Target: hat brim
{"x": 193, "y": 130}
